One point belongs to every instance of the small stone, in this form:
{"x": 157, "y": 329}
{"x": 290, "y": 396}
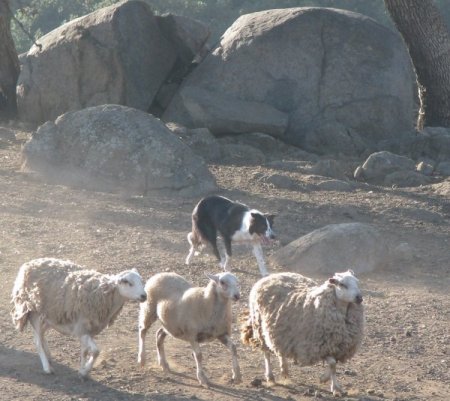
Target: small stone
{"x": 309, "y": 392}
{"x": 370, "y": 391}
{"x": 256, "y": 382}
{"x": 393, "y": 339}
{"x": 408, "y": 333}
{"x": 349, "y": 372}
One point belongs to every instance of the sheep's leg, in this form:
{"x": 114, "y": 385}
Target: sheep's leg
{"x": 284, "y": 369}
{"x": 141, "y": 352}
{"x": 198, "y": 361}
{"x": 88, "y": 346}
{"x": 160, "y": 336}
{"x": 330, "y": 374}
{"x": 41, "y": 343}
{"x": 258, "y": 252}
{"x": 146, "y": 318}
{"x": 268, "y": 367}
{"x": 226, "y": 340}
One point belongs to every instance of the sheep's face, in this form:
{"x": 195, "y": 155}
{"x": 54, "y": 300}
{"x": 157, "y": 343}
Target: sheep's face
{"x": 227, "y": 285}
{"x": 346, "y": 285}
{"x": 131, "y": 286}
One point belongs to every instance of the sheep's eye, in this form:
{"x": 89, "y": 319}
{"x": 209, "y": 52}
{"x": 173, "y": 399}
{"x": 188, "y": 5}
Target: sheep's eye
{"x": 343, "y": 285}
{"x": 223, "y": 284}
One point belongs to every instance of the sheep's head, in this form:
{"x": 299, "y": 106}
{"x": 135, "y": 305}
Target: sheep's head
{"x": 131, "y": 286}
{"x": 346, "y": 286}
{"x": 227, "y": 285}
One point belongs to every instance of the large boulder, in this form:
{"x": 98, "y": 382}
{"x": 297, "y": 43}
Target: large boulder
{"x": 333, "y": 248}
{"x": 389, "y": 169}
{"x": 378, "y": 165}
{"x": 120, "y": 54}
{"x": 116, "y": 148}
{"x": 344, "y": 81}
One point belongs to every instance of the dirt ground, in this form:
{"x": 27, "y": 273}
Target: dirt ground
{"x": 405, "y": 354}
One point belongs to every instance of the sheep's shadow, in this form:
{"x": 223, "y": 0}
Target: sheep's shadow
{"x": 229, "y": 390}
{"x": 24, "y": 367}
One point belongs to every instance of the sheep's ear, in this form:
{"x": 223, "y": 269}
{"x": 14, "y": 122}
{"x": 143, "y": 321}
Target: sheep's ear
{"x": 212, "y": 277}
{"x": 351, "y": 272}
{"x": 333, "y": 281}
{"x": 134, "y": 270}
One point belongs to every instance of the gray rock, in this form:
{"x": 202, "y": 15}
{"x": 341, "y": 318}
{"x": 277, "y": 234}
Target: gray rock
{"x": 443, "y": 168}
{"x": 335, "y": 248}
{"x": 115, "y": 148}
{"x": 337, "y": 75}
{"x": 378, "y": 165}
{"x": 223, "y": 114}
{"x": 115, "y": 55}
{"x": 281, "y": 181}
{"x": 406, "y": 179}
{"x": 204, "y": 144}
{"x": 330, "y": 137}
{"x": 265, "y": 143}
{"x": 402, "y": 253}
{"x": 241, "y": 154}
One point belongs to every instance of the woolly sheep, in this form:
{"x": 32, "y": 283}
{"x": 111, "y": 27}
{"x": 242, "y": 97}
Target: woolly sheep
{"x": 293, "y": 317}
{"x": 58, "y": 294}
{"x": 192, "y": 314}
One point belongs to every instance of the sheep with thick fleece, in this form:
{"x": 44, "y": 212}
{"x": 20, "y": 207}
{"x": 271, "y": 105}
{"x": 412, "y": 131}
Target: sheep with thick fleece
{"x": 58, "y": 294}
{"x": 192, "y": 314}
{"x": 295, "y": 318}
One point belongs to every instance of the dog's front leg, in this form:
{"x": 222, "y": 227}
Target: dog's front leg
{"x": 225, "y": 264}
{"x": 258, "y": 252}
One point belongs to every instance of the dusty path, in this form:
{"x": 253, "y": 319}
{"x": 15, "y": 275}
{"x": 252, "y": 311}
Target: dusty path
{"x": 406, "y": 352}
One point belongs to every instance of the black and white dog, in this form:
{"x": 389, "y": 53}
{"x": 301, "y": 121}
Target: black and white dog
{"x": 234, "y": 222}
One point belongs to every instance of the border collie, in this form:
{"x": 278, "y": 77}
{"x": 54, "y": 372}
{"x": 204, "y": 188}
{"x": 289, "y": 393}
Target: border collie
{"x": 234, "y": 222}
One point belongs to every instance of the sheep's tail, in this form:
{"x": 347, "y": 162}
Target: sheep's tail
{"x": 247, "y": 333}
{"x": 22, "y": 301}
{"x": 20, "y": 312}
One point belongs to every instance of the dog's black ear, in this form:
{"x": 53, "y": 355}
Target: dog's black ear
{"x": 254, "y": 215}
{"x": 271, "y": 217}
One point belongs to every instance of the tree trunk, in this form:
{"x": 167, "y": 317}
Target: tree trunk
{"x": 9, "y": 64}
{"x": 428, "y": 40}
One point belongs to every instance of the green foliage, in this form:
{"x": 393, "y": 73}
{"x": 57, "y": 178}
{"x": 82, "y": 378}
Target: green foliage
{"x": 41, "y": 16}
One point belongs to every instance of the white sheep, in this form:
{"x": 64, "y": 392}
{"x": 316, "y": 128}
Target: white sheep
{"x": 58, "y": 294}
{"x": 192, "y": 314}
{"x": 295, "y": 318}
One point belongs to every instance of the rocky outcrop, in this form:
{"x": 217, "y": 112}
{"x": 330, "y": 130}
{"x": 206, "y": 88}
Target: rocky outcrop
{"x": 330, "y": 81}
{"x": 335, "y": 247}
{"x": 389, "y": 169}
{"x": 120, "y": 54}
{"x": 115, "y": 148}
